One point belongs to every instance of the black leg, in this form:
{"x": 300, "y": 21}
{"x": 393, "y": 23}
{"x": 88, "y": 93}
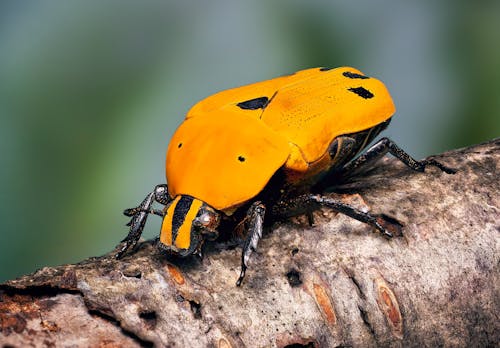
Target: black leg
{"x": 380, "y": 148}
{"x": 255, "y": 218}
{"x": 310, "y": 202}
{"x": 132, "y": 211}
{"x": 310, "y": 218}
{"x": 139, "y": 216}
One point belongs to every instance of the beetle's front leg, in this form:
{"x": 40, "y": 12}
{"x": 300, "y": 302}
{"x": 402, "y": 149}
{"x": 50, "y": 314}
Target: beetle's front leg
{"x": 139, "y": 216}
{"x": 380, "y": 148}
{"x": 309, "y": 202}
{"x": 255, "y": 218}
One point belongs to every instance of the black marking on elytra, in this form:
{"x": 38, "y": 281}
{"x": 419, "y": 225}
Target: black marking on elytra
{"x": 179, "y": 146}
{"x": 352, "y": 75}
{"x": 180, "y": 211}
{"x": 362, "y": 92}
{"x": 254, "y": 104}
{"x": 241, "y": 158}
{"x": 325, "y": 69}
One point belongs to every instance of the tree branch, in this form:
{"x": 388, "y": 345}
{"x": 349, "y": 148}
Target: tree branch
{"x": 334, "y": 284}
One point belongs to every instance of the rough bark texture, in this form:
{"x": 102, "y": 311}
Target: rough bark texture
{"x": 334, "y": 284}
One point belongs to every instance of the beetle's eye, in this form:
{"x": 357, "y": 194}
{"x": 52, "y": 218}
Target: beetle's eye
{"x": 205, "y": 219}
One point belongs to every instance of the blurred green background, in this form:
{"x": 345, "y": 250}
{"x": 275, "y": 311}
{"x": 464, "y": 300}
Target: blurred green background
{"x": 91, "y": 91}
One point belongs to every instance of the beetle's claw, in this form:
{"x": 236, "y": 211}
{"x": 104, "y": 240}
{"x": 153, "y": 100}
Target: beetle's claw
{"x": 242, "y": 275}
{"x": 379, "y": 226}
{"x": 387, "y": 233}
{"x": 130, "y": 211}
{"x": 128, "y": 244}
{"x": 121, "y": 252}
{"x": 434, "y": 163}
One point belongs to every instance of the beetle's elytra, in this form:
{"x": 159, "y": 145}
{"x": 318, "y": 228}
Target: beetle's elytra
{"x": 257, "y": 151}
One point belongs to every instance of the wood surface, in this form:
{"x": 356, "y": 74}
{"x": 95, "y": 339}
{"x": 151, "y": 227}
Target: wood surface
{"x": 335, "y": 284}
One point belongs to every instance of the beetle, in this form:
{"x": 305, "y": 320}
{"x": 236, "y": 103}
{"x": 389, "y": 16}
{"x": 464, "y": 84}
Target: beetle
{"x": 260, "y": 150}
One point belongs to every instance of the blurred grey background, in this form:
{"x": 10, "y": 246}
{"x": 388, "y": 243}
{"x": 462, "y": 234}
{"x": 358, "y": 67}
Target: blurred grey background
{"x": 91, "y": 91}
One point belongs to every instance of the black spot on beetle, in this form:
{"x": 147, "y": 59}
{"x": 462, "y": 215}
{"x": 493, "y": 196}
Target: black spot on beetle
{"x": 302, "y": 345}
{"x": 254, "y": 104}
{"x": 325, "y": 69}
{"x": 362, "y": 92}
{"x": 352, "y": 75}
{"x": 241, "y": 158}
{"x": 179, "y": 146}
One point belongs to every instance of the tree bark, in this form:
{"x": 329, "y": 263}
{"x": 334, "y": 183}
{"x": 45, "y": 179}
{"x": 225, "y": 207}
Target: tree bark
{"x": 333, "y": 284}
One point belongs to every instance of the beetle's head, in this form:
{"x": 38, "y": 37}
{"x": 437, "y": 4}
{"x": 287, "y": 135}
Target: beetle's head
{"x": 187, "y": 223}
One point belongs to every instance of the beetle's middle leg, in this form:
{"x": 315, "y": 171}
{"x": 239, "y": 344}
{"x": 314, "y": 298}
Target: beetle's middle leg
{"x": 255, "y": 218}
{"x": 380, "y": 148}
{"x": 139, "y": 216}
{"x": 309, "y": 202}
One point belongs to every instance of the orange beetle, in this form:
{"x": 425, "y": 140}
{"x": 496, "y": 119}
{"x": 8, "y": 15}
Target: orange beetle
{"x": 259, "y": 150}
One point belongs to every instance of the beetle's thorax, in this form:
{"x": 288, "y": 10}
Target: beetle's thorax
{"x": 187, "y": 223}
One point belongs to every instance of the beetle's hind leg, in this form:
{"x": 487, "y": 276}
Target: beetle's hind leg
{"x": 383, "y": 146}
{"x": 255, "y": 219}
{"x": 309, "y": 202}
{"x": 139, "y": 216}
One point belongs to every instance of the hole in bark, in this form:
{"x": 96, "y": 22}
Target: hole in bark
{"x": 301, "y": 345}
{"x": 293, "y": 277}
{"x": 132, "y": 273}
{"x": 295, "y": 251}
{"x": 149, "y": 318}
{"x": 196, "y": 309}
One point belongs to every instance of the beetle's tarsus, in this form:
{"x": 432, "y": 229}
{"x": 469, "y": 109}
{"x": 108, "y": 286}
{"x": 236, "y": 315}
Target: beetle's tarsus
{"x": 383, "y": 146}
{"x": 130, "y": 211}
{"x": 133, "y": 211}
{"x": 127, "y": 245}
{"x": 255, "y": 219}
{"x": 434, "y": 163}
{"x": 308, "y": 202}
{"x": 242, "y": 275}
{"x": 139, "y": 216}
{"x": 310, "y": 218}
{"x": 385, "y": 233}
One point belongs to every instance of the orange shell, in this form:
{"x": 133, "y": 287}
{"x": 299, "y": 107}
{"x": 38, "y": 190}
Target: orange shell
{"x": 304, "y": 113}
{"x": 223, "y": 160}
